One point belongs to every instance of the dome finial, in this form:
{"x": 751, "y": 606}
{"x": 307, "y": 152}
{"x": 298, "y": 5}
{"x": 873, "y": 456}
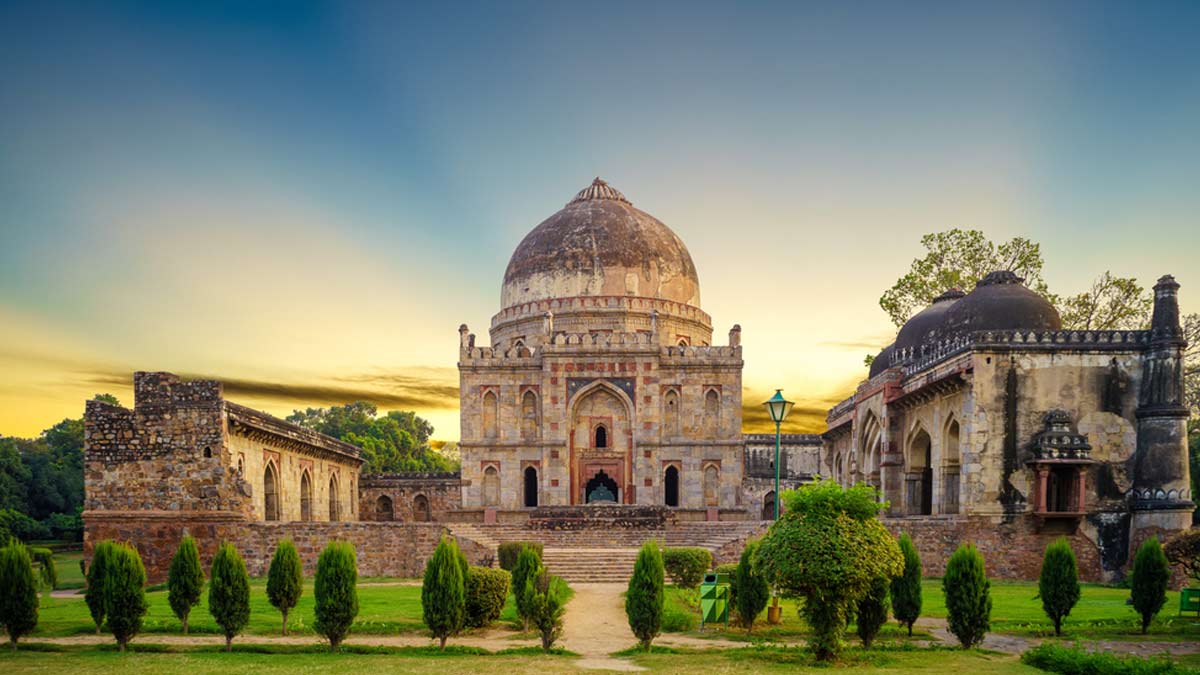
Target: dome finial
{"x": 599, "y": 190}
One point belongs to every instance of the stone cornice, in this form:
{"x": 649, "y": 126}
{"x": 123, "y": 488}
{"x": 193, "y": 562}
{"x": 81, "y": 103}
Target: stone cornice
{"x": 260, "y": 426}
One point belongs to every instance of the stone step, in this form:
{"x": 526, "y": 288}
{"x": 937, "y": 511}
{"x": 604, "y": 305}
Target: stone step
{"x": 583, "y": 565}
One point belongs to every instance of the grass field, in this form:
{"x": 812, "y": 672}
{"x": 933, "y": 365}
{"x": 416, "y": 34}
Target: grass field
{"x": 67, "y": 566}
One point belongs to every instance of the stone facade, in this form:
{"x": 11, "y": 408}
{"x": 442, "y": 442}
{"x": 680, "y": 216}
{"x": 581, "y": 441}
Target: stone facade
{"x": 409, "y": 497}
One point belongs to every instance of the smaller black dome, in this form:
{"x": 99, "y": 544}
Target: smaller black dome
{"x": 1001, "y": 301}
{"x": 881, "y": 362}
{"x": 925, "y": 325}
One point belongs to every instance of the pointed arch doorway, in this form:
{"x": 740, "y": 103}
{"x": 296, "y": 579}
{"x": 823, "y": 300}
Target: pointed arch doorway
{"x": 601, "y": 444}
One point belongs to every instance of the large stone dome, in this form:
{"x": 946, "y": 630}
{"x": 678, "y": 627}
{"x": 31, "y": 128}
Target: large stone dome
{"x": 1000, "y": 302}
{"x": 600, "y": 245}
{"x": 926, "y": 324}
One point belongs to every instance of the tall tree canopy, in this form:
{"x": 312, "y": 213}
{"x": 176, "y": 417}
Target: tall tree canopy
{"x": 395, "y": 441}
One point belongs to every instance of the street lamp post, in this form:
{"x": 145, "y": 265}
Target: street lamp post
{"x": 778, "y": 407}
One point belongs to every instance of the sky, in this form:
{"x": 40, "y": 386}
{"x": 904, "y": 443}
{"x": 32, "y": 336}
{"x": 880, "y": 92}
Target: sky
{"x": 305, "y": 200}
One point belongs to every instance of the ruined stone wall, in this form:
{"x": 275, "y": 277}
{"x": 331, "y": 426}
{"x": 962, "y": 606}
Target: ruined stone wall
{"x": 402, "y": 494}
{"x": 251, "y": 456}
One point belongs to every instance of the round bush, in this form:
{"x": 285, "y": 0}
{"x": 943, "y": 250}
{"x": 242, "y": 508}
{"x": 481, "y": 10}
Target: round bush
{"x": 509, "y": 551}
{"x": 336, "y": 592}
{"x": 686, "y": 565}
{"x": 486, "y": 592}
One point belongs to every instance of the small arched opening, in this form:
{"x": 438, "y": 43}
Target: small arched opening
{"x": 920, "y": 474}
{"x": 768, "y": 507}
{"x": 951, "y": 469}
{"x": 671, "y": 486}
{"x": 421, "y": 511}
{"x": 491, "y": 486}
{"x": 531, "y": 487}
{"x": 270, "y": 493}
{"x": 600, "y": 436}
{"x": 305, "y": 496}
{"x": 383, "y": 508}
{"x": 334, "y": 511}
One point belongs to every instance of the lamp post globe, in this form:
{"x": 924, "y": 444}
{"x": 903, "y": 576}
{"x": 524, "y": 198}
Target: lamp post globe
{"x": 778, "y": 408}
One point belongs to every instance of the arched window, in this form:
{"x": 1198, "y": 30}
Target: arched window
{"x": 383, "y": 508}
{"x": 305, "y": 497}
{"x": 919, "y": 474}
{"x": 333, "y": 499}
{"x": 682, "y": 342}
{"x": 270, "y": 493}
{"x": 768, "y": 508}
{"x": 712, "y": 485}
{"x": 421, "y": 512}
{"x": 671, "y": 413}
{"x": 491, "y": 486}
{"x": 601, "y": 437}
{"x": 531, "y": 486}
{"x": 951, "y": 469}
{"x": 207, "y": 452}
{"x": 671, "y": 486}
{"x": 712, "y": 412}
{"x": 490, "y": 415}
{"x": 529, "y": 415}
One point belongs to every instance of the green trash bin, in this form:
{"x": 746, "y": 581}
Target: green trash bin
{"x": 714, "y": 599}
{"x": 1189, "y": 601}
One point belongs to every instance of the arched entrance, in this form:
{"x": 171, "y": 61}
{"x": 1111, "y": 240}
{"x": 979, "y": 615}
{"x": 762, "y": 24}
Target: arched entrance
{"x": 270, "y": 493}
{"x": 531, "y": 487}
{"x": 383, "y": 508}
{"x": 601, "y": 488}
{"x": 333, "y": 499}
{"x": 768, "y": 509}
{"x": 601, "y": 440}
{"x": 920, "y": 474}
{"x": 305, "y": 497}
{"x": 671, "y": 486}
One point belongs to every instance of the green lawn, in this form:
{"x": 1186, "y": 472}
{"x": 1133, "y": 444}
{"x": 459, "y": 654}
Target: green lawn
{"x": 385, "y": 607}
{"x": 67, "y": 566}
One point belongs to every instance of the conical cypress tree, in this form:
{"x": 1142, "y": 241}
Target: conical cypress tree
{"x": 285, "y": 579}
{"x": 336, "y": 592}
{"x": 185, "y": 580}
{"x": 906, "y": 588}
{"x": 528, "y": 564}
{"x": 94, "y": 595}
{"x": 968, "y": 600}
{"x": 443, "y": 594}
{"x": 1058, "y": 584}
{"x": 124, "y": 593}
{"x": 753, "y": 590}
{"x": 644, "y": 599}
{"x": 18, "y": 591}
{"x": 1151, "y": 574}
{"x": 872, "y": 611}
{"x": 229, "y": 592}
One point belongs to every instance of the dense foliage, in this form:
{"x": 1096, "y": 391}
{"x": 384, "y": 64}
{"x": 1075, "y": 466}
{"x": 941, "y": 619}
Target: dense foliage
{"x": 527, "y": 566}
{"x": 18, "y": 592}
{"x": 1151, "y": 574}
{"x": 1058, "y": 584}
{"x": 546, "y": 597}
{"x": 336, "y": 592}
{"x": 906, "y": 588}
{"x": 43, "y": 563}
{"x": 748, "y": 588}
{"x": 828, "y": 548}
{"x": 96, "y": 571}
{"x": 443, "y": 591}
{"x": 1184, "y": 550}
{"x": 395, "y": 441}
{"x": 644, "y": 598}
{"x": 968, "y": 598}
{"x": 486, "y": 591}
{"x": 185, "y": 580}
{"x": 1079, "y": 661}
{"x": 124, "y": 593}
{"x": 229, "y": 592}
{"x": 686, "y": 565}
{"x": 510, "y": 550}
{"x": 285, "y": 579}
{"x": 872, "y": 611}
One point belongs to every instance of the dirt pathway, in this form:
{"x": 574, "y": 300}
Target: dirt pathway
{"x": 1016, "y": 644}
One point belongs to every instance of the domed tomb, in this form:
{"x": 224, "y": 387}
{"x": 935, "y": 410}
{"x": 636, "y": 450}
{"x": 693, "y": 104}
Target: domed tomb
{"x": 925, "y": 325}
{"x": 1001, "y": 302}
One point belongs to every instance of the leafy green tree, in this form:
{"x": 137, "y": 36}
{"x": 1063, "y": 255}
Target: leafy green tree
{"x": 547, "y": 599}
{"x": 1151, "y": 574}
{"x": 47, "y": 571}
{"x": 336, "y": 592}
{"x": 396, "y": 441}
{"x": 872, "y": 611}
{"x": 285, "y": 579}
{"x": 97, "y": 572}
{"x": 828, "y": 548}
{"x": 124, "y": 593}
{"x": 686, "y": 565}
{"x": 443, "y": 592}
{"x": 752, "y": 588}
{"x": 18, "y": 592}
{"x": 1058, "y": 584}
{"x": 906, "y": 588}
{"x": 644, "y": 598}
{"x": 528, "y": 563}
{"x": 1112, "y": 303}
{"x": 185, "y": 580}
{"x": 968, "y": 597}
{"x": 1183, "y": 550}
{"x": 486, "y": 592}
{"x": 229, "y": 592}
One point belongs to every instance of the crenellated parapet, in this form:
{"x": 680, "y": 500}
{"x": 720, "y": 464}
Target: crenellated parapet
{"x": 624, "y": 343}
{"x": 616, "y": 303}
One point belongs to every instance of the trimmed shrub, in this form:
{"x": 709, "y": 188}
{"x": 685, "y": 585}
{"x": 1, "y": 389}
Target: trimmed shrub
{"x": 443, "y": 593}
{"x": 1151, "y": 574}
{"x": 1058, "y": 584}
{"x": 509, "y": 551}
{"x": 185, "y": 580}
{"x": 335, "y": 590}
{"x": 43, "y": 560}
{"x": 752, "y": 588}
{"x": 229, "y": 592}
{"x": 686, "y": 565}
{"x": 285, "y": 579}
{"x": 1077, "y": 661}
{"x": 94, "y": 595}
{"x": 124, "y": 593}
{"x": 906, "y": 588}
{"x": 486, "y": 590}
{"x": 968, "y": 601}
{"x": 872, "y": 611}
{"x": 528, "y": 563}
{"x": 644, "y": 599}
{"x": 546, "y": 597}
{"x": 18, "y": 592}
